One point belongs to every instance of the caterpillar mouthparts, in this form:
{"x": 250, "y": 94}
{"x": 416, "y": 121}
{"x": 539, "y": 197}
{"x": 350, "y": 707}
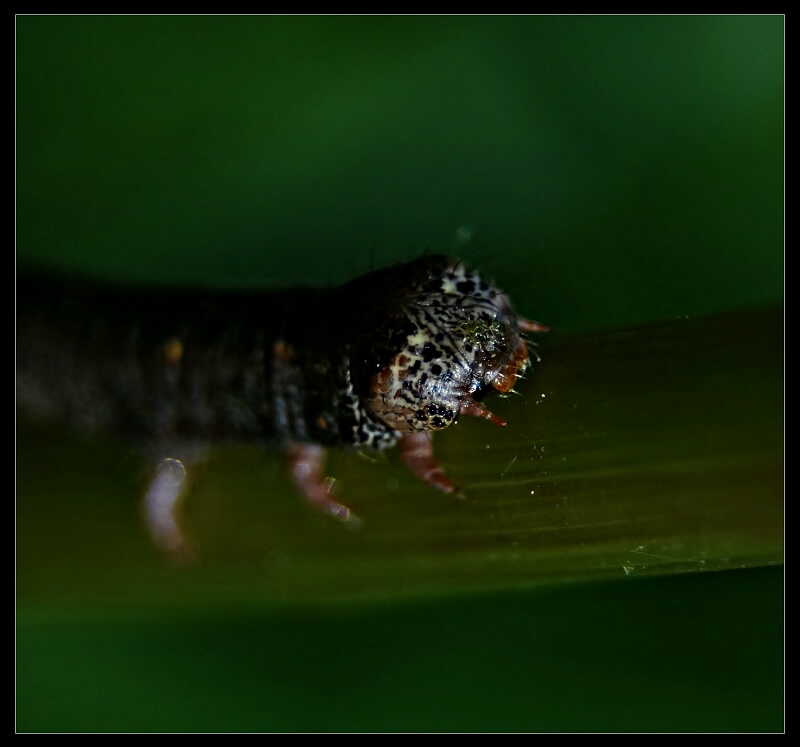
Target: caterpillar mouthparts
{"x": 388, "y": 357}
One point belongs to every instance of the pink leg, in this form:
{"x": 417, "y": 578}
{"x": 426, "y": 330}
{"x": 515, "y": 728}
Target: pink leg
{"x": 528, "y": 325}
{"x": 477, "y": 410}
{"x": 160, "y": 505}
{"x": 416, "y": 450}
{"x": 306, "y": 462}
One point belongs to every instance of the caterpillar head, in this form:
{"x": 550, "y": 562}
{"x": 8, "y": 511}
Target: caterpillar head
{"x": 439, "y": 340}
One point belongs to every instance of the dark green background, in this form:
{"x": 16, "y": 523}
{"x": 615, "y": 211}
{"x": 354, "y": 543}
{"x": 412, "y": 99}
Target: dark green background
{"x": 611, "y": 169}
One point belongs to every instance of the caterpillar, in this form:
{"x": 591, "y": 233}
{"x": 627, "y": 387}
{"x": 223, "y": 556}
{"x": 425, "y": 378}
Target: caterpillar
{"x": 383, "y": 360}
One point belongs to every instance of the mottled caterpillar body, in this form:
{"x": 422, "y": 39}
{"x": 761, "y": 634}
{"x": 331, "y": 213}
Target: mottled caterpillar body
{"x": 384, "y": 359}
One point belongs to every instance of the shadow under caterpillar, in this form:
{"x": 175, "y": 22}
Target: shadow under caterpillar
{"x": 384, "y": 359}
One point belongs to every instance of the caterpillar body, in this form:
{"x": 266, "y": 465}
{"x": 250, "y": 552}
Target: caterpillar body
{"x": 384, "y": 359}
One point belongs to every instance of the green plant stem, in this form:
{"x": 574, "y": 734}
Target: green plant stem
{"x": 651, "y": 450}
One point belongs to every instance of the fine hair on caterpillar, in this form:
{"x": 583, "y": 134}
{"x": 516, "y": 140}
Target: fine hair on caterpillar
{"x": 385, "y": 359}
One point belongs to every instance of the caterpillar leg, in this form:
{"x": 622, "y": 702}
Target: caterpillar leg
{"x": 416, "y": 450}
{"x": 306, "y": 462}
{"x": 528, "y": 325}
{"x": 160, "y": 503}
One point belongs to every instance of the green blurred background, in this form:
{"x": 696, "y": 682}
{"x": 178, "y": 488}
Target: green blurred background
{"x": 609, "y": 170}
